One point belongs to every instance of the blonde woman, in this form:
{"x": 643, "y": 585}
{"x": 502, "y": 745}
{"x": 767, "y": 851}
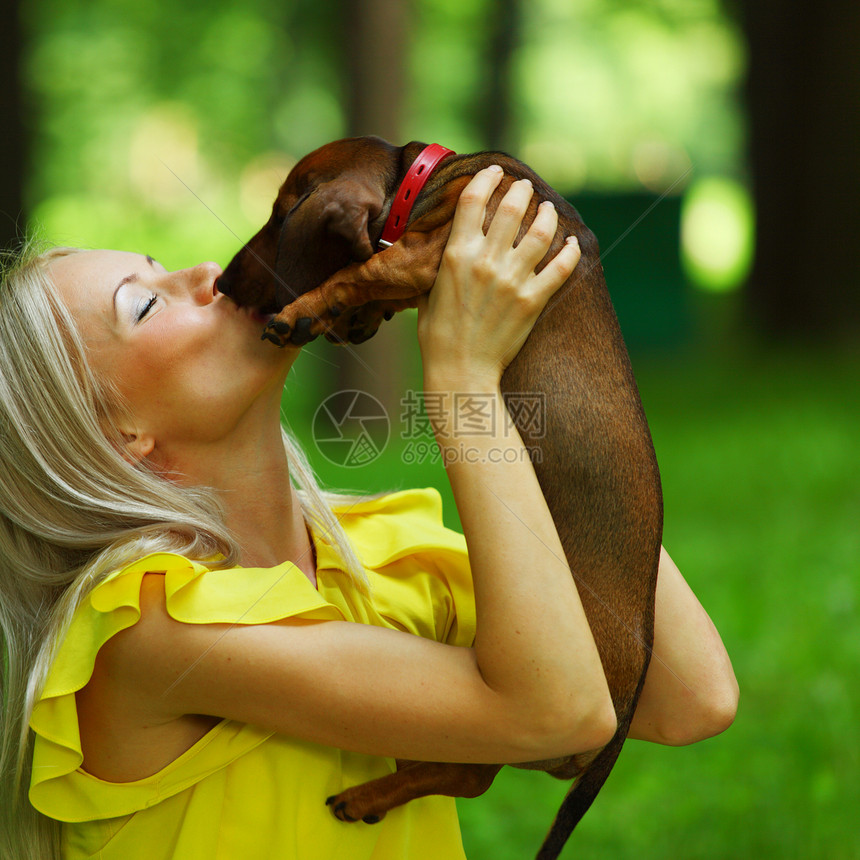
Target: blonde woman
{"x": 182, "y": 676}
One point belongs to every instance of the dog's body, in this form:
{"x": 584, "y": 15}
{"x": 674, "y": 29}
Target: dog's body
{"x": 596, "y": 468}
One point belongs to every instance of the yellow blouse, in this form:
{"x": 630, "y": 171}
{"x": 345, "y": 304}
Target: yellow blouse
{"x": 243, "y": 792}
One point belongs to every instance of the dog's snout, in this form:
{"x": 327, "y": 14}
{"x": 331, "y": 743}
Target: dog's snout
{"x": 224, "y": 283}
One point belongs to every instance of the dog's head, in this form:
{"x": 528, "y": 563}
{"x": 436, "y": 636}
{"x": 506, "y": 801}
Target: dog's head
{"x": 328, "y": 213}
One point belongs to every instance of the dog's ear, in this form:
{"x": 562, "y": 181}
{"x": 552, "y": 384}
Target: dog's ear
{"x": 349, "y": 205}
{"x": 325, "y": 232}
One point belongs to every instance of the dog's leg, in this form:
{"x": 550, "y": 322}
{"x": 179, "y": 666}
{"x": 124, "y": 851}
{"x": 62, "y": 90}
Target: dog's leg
{"x": 369, "y": 802}
{"x": 395, "y": 277}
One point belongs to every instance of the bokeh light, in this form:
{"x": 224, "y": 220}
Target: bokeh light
{"x": 717, "y": 234}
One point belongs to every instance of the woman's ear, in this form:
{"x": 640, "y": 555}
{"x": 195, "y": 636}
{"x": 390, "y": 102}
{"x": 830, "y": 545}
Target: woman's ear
{"x": 136, "y": 446}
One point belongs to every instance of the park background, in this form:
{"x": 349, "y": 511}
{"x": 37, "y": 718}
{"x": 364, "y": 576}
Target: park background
{"x": 712, "y": 146}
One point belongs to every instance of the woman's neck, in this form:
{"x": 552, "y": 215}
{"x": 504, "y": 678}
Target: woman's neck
{"x": 261, "y": 507}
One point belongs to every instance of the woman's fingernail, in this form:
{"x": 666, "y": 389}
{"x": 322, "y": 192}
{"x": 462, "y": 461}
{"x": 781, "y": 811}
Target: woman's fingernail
{"x": 527, "y": 181}
{"x": 571, "y": 240}
{"x": 495, "y": 168}
{"x": 548, "y": 204}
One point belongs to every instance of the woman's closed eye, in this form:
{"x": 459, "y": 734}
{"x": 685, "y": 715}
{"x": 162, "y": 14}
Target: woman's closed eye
{"x": 145, "y": 306}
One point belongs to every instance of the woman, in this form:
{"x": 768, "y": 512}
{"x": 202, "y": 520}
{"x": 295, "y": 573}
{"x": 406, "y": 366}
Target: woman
{"x": 164, "y": 586}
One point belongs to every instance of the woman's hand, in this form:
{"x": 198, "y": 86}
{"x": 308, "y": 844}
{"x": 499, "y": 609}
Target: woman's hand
{"x": 487, "y": 296}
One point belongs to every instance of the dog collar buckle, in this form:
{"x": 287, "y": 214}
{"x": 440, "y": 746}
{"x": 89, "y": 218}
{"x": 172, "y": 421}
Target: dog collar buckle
{"x": 415, "y": 179}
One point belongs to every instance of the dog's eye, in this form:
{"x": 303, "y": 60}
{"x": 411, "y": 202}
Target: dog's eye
{"x": 146, "y": 307}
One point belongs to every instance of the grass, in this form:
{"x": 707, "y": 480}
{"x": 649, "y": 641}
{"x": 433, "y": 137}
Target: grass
{"x": 761, "y": 475}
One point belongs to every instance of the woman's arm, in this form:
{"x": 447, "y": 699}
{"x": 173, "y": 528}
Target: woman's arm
{"x": 690, "y": 690}
{"x": 532, "y": 687}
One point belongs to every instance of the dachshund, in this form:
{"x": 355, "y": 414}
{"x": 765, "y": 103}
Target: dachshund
{"x": 316, "y": 265}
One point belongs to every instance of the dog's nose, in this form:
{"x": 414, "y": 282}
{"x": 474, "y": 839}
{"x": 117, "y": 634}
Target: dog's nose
{"x": 224, "y": 282}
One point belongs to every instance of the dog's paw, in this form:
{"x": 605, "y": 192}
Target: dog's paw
{"x": 340, "y": 806}
{"x": 361, "y": 323}
{"x": 280, "y": 332}
{"x": 305, "y": 319}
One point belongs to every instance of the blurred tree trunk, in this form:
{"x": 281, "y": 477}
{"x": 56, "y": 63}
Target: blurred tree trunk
{"x": 375, "y": 53}
{"x": 804, "y": 112}
{"x": 374, "y": 37}
{"x": 12, "y": 137}
{"x": 494, "y": 108}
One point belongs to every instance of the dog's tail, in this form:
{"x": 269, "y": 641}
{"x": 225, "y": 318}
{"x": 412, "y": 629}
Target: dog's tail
{"x": 580, "y": 797}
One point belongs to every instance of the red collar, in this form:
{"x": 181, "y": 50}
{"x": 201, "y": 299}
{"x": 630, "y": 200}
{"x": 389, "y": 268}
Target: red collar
{"x": 415, "y": 179}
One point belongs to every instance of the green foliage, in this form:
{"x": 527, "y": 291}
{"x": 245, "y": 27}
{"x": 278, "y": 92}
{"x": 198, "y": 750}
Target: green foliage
{"x": 624, "y": 95}
{"x": 167, "y": 128}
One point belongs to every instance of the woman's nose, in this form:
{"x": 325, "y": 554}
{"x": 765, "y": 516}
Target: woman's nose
{"x": 202, "y": 279}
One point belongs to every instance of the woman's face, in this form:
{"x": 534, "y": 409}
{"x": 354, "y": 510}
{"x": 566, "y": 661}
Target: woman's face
{"x": 188, "y": 362}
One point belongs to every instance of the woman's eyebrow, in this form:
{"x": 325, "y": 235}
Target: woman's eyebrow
{"x": 128, "y": 279}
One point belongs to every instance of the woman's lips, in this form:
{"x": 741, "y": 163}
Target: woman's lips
{"x": 259, "y": 317}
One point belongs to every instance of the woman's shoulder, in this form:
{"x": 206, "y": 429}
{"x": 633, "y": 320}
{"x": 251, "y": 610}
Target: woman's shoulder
{"x": 117, "y": 708}
{"x": 166, "y": 597}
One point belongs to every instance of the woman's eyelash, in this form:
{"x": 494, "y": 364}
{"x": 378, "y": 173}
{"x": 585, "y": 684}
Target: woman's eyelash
{"x": 147, "y": 307}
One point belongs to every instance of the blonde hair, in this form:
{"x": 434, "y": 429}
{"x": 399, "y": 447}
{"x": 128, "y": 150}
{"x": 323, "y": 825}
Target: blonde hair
{"x": 73, "y": 509}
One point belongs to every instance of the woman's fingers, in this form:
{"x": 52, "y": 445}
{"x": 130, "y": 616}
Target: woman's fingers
{"x": 543, "y": 286}
{"x": 508, "y": 217}
{"x": 472, "y": 206}
{"x": 539, "y": 237}
{"x": 559, "y": 268}
{"x": 507, "y": 223}
{"x": 486, "y": 296}
{"x": 498, "y": 245}
{"x": 507, "y": 220}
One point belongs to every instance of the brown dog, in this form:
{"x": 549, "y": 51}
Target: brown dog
{"x": 314, "y": 264}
